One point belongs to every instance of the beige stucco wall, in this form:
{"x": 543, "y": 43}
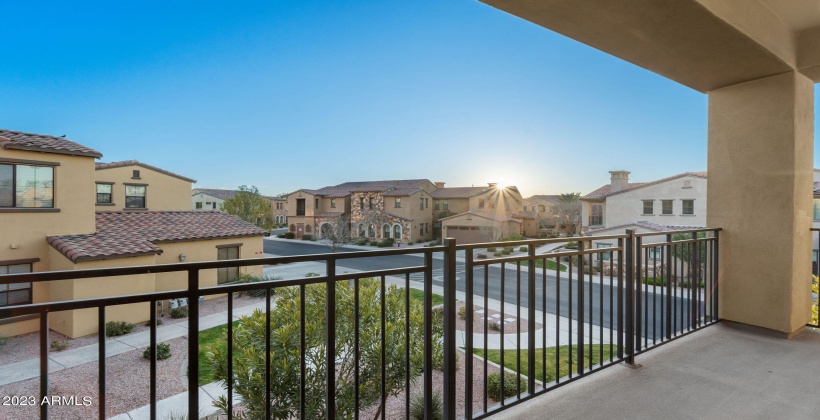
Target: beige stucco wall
{"x": 495, "y": 230}
{"x": 163, "y": 192}
{"x": 627, "y": 207}
{"x": 207, "y": 202}
{"x": 761, "y": 148}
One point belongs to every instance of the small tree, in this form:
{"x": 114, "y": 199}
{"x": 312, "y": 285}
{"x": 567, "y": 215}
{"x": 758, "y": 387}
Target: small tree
{"x": 250, "y": 206}
{"x": 249, "y": 351}
{"x": 568, "y": 212}
{"x": 335, "y": 232}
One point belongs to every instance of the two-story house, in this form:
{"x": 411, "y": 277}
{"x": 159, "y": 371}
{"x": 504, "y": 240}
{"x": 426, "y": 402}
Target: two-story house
{"x": 480, "y": 214}
{"x": 542, "y": 206}
{"x": 209, "y": 199}
{"x": 54, "y": 215}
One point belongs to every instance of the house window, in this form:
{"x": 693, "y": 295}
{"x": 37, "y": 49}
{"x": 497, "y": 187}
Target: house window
{"x": 525, "y": 208}
{"x": 666, "y": 206}
{"x": 427, "y": 228}
{"x": 361, "y": 203}
{"x": 481, "y": 204}
{"x": 372, "y": 231}
{"x": 26, "y": 186}
{"x": 446, "y": 206}
{"x": 135, "y": 196}
{"x": 300, "y": 206}
{"x": 361, "y": 230}
{"x": 688, "y": 206}
{"x": 421, "y": 204}
{"x": 648, "y": 207}
{"x": 397, "y": 203}
{"x": 135, "y": 174}
{"x": 213, "y": 205}
{"x": 15, "y": 293}
{"x": 198, "y": 204}
{"x": 687, "y": 184}
{"x": 421, "y": 228}
{"x": 371, "y": 203}
{"x": 427, "y": 203}
{"x": 396, "y": 232}
{"x": 542, "y": 209}
{"x": 386, "y": 231}
{"x": 316, "y": 203}
{"x": 817, "y": 209}
{"x": 436, "y": 204}
{"x": 333, "y": 203}
{"x": 226, "y": 274}
{"x": 104, "y": 194}
{"x": 603, "y": 256}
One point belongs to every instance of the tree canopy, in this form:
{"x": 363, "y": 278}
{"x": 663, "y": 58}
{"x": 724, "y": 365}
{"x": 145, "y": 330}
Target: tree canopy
{"x": 250, "y": 206}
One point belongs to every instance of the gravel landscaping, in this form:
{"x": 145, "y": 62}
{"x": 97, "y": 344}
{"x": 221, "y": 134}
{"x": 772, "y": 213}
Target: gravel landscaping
{"x": 510, "y": 327}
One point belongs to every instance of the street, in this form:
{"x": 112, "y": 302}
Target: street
{"x": 598, "y": 297}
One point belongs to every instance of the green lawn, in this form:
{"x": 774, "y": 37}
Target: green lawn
{"x": 550, "y": 265}
{"x": 510, "y": 362}
{"x": 216, "y": 337}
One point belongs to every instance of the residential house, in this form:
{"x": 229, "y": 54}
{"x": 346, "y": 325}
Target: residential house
{"x": 543, "y": 205}
{"x": 49, "y": 191}
{"x": 206, "y": 199}
{"x": 479, "y": 214}
{"x": 132, "y": 185}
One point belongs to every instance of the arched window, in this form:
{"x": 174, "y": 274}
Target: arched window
{"x": 386, "y": 231}
{"x": 361, "y": 230}
{"x": 293, "y": 228}
{"x": 308, "y": 229}
{"x": 397, "y": 231}
{"x": 372, "y": 231}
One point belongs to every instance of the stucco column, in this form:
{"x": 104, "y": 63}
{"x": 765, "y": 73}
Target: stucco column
{"x": 761, "y": 153}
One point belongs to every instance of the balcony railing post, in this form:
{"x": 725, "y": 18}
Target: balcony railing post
{"x": 580, "y": 314}
{"x": 44, "y": 362}
{"x": 638, "y": 290}
{"x": 667, "y": 274}
{"x": 193, "y": 343}
{"x": 531, "y": 300}
{"x": 330, "y": 339}
{"x": 716, "y": 251}
{"x": 468, "y": 338}
{"x": 449, "y": 397}
{"x": 694, "y": 275}
{"x": 630, "y": 296}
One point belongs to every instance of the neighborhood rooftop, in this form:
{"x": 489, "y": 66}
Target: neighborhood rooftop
{"x": 101, "y": 165}
{"x": 344, "y": 189}
{"x": 16, "y": 140}
{"x": 605, "y": 191}
{"x": 647, "y": 225}
{"x": 227, "y": 194}
{"x": 123, "y": 233}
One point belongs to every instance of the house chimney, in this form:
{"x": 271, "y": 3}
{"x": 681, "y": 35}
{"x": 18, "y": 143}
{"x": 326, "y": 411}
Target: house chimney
{"x": 439, "y": 185}
{"x": 492, "y": 184}
{"x": 619, "y": 181}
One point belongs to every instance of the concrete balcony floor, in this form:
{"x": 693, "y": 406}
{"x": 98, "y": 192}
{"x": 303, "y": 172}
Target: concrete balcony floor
{"x": 718, "y": 373}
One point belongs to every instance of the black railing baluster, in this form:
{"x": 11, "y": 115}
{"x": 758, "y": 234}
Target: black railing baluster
{"x": 230, "y": 355}
{"x": 268, "y": 376}
{"x": 557, "y": 321}
{"x": 611, "y": 302}
{"x": 383, "y": 387}
{"x": 621, "y": 272}
{"x": 580, "y": 315}
{"x": 153, "y": 360}
{"x": 407, "y": 346}
{"x": 330, "y": 339}
{"x": 544, "y": 323}
{"x": 531, "y": 302}
{"x": 303, "y": 351}
{"x": 655, "y": 296}
{"x": 601, "y": 309}
{"x": 450, "y": 365}
{"x": 716, "y": 251}
{"x": 44, "y": 364}
{"x": 639, "y": 286}
{"x": 356, "y": 352}
{"x": 667, "y": 275}
{"x": 486, "y": 327}
{"x": 469, "y": 312}
{"x": 428, "y": 335}
{"x": 193, "y": 343}
{"x": 630, "y": 296}
{"x": 101, "y": 360}
{"x": 517, "y": 328}
{"x": 570, "y": 314}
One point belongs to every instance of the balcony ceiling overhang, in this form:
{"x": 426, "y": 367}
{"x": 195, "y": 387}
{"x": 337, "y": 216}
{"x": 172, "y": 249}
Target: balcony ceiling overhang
{"x": 703, "y": 44}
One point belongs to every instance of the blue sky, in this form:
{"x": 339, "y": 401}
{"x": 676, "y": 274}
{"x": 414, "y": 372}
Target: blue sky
{"x": 288, "y": 95}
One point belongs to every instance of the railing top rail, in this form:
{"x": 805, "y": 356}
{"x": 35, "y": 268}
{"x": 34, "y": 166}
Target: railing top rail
{"x": 42, "y": 276}
{"x": 680, "y": 242}
{"x": 675, "y": 232}
{"x": 536, "y": 242}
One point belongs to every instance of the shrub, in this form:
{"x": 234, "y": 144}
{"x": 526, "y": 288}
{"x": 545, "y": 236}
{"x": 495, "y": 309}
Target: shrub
{"x": 281, "y": 235}
{"x": 688, "y": 284}
{"x": 163, "y": 352}
{"x": 511, "y": 238}
{"x": 374, "y": 243}
{"x": 462, "y": 312}
{"x": 290, "y": 235}
{"x": 259, "y": 293}
{"x": 148, "y": 323}
{"x": 361, "y": 242}
{"x": 386, "y": 243}
{"x": 417, "y": 406}
{"x": 510, "y": 387}
{"x": 506, "y": 251}
{"x": 497, "y": 254}
{"x": 657, "y": 281}
{"x": 179, "y": 312}
{"x": 494, "y": 326}
{"x": 572, "y": 245}
{"x": 481, "y": 256}
{"x": 117, "y": 328}
{"x": 491, "y": 249}
{"x": 523, "y": 249}
{"x": 307, "y": 237}
{"x": 59, "y": 345}
{"x": 312, "y": 274}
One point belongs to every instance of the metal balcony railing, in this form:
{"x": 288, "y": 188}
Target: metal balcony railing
{"x": 595, "y": 307}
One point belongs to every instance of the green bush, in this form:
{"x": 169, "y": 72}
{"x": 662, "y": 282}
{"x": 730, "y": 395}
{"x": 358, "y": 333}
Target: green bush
{"x": 281, "y": 235}
{"x": 572, "y": 245}
{"x": 361, "y": 242}
{"x": 511, "y": 238}
{"x": 417, "y": 406}
{"x": 494, "y": 326}
{"x": 386, "y": 243}
{"x": 657, "y": 281}
{"x": 290, "y": 235}
{"x": 491, "y": 249}
{"x": 374, "y": 243}
{"x": 259, "y": 293}
{"x": 148, "y": 323}
{"x": 117, "y": 328}
{"x": 59, "y": 345}
{"x": 462, "y": 312}
{"x": 481, "y": 256}
{"x": 523, "y": 249}
{"x": 510, "y": 387}
{"x": 686, "y": 284}
{"x": 497, "y": 254}
{"x": 506, "y": 251}
{"x": 307, "y": 237}
{"x": 163, "y": 352}
{"x": 179, "y": 312}
{"x": 312, "y": 274}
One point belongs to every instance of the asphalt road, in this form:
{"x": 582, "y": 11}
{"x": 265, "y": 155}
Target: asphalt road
{"x": 600, "y": 300}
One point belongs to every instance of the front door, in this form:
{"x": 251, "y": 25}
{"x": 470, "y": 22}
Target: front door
{"x": 300, "y": 230}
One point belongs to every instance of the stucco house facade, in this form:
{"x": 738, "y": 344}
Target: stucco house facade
{"x": 542, "y": 205}
{"x": 51, "y": 219}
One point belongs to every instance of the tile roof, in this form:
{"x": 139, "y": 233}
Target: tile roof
{"x": 16, "y": 140}
{"x": 647, "y": 225}
{"x": 130, "y": 233}
{"x": 102, "y": 165}
{"x": 402, "y": 192}
{"x": 525, "y": 215}
{"x": 605, "y": 190}
{"x": 556, "y": 199}
{"x": 220, "y": 194}
{"x": 409, "y": 219}
{"x": 458, "y": 192}
{"x": 344, "y": 189}
{"x": 490, "y": 216}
